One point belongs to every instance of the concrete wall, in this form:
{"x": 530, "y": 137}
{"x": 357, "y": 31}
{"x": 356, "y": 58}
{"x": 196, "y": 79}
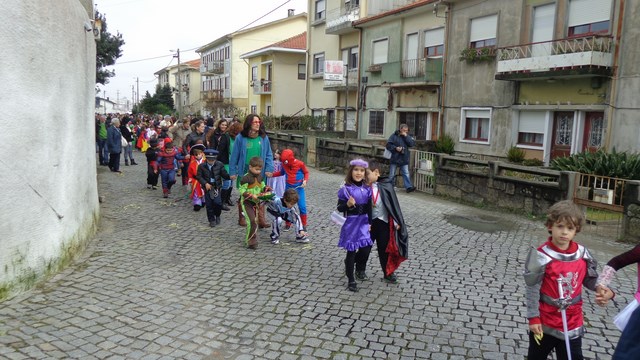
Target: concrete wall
{"x": 625, "y": 130}
{"x": 49, "y": 193}
{"x": 287, "y": 91}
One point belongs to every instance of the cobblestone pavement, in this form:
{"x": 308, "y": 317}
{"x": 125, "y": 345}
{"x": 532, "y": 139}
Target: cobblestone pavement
{"x": 158, "y": 283}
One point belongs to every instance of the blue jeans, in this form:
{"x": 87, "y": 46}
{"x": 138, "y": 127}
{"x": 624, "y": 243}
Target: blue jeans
{"x": 103, "y": 154}
{"x": 168, "y": 178}
{"x": 404, "y": 170}
{"x": 127, "y": 151}
{"x": 628, "y": 346}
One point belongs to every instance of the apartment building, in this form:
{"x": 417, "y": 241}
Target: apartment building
{"x": 225, "y": 82}
{"x": 277, "y": 75}
{"x": 184, "y": 80}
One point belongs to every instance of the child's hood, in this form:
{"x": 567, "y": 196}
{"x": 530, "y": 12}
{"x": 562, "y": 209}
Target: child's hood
{"x": 287, "y": 157}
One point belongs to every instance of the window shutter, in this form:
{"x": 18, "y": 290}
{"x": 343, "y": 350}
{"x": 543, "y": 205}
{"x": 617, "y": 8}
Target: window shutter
{"x": 531, "y": 122}
{"x": 588, "y": 11}
{"x": 380, "y": 50}
{"x": 483, "y": 28}
{"x": 412, "y": 46}
{"x": 434, "y": 37}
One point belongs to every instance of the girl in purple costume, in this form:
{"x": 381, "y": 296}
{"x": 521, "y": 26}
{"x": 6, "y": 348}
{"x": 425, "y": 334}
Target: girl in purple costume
{"x": 354, "y": 200}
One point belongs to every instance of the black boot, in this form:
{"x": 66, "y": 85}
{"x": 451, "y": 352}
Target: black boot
{"x": 213, "y": 222}
{"x": 133, "y": 162}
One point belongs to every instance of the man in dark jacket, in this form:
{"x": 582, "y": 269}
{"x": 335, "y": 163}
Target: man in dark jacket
{"x": 399, "y": 143}
{"x": 114, "y": 145}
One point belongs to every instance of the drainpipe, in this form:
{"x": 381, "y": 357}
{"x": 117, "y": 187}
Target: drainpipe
{"x": 357, "y": 107}
{"x": 614, "y": 82}
{"x": 447, "y": 21}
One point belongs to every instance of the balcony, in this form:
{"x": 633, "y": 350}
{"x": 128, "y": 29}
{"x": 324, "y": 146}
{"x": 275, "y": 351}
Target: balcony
{"x": 585, "y": 56}
{"x": 216, "y": 67}
{"x": 216, "y": 95}
{"x": 416, "y": 72}
{"x": 339, "y": 20}
{"x": 261, "y": 87}
{"x": 339, "y": 85}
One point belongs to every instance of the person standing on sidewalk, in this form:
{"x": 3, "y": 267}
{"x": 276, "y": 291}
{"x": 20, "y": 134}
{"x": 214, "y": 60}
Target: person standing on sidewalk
{"x": 114, "y": 145}
{"x": 399, "y": 143}
{"x": 128, "y": 135}
{"x": 101, "y": 138}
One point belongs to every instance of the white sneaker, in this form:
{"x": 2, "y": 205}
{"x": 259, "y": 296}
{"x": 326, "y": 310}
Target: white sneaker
{"x": 302, "y": 239}
{"x": 275, "y": 241}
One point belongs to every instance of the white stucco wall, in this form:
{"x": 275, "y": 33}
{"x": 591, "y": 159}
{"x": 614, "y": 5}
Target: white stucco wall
{"x": 48, "y": 168}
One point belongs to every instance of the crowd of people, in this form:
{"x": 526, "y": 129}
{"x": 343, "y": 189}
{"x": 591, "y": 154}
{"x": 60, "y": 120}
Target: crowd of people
{"x": 211, "y": 157}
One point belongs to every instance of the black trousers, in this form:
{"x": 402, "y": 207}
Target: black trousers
{"x": 380, "y": 234}
{"x": 152, "y": 178}
{"x": 114, "y": 161}
{"x": 548, "y": 343}
{"x": 359, "y": 259}
{"x": 214, "y": 205}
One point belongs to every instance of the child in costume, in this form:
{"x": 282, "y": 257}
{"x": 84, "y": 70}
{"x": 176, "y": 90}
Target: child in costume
{"x": 297, "y": 176}
{"x": 167, "y": 164}
{"x": 283, "y": 209}
{"x": 629, "y": 319}
{"x": 252, "y": 187}
{"x": 210, "y": 175}
{"x": 554, "y": 275}
{"x": 354, "y": 200}
{"x": 388, "y": 229}
{"x": 152, "y": 164}
{"x": 277, "y": 183}
{"x": 196, "y": 191}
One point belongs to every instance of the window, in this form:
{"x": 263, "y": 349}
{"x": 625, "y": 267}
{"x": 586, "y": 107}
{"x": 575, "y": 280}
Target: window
{"x": 589, "y": 17}
{"x": 302, "y": 71}
{"x": 531, "y": 128}
{"x": 316, "y": 114}
{"x": 268, "y": 110}
{"x": 331, "y": 120}
{"x": 475, "y": 125}
{"x": 434, "y": 43}
{"x": 418, "y": 123}
{"x": 350, "y": 57}
{"x": 318, "y": 63}
{"x": 320, "y": 10}
{"x": 254, "y": 109}
{"x": 483, "y": 31}
{"x": 380, "y": 51}
{"x": 254, "y": 73}
{"x": 376, "y": 122}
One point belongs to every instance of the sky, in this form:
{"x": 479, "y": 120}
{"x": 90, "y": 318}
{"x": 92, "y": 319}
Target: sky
{"x": 154, "y": 29}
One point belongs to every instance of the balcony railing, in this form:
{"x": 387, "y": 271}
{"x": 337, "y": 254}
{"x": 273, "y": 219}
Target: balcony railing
{"x": 425, "y": 70}
{"x": 594, "y": 52}
{"x": 339, "y": 85}
{"x": 339, "y": 19}
{"x": 215, "y": 67}
{"x": 375, "y": 7}
{"x": 261, "y": 87}
{"x": 216, "y": 95}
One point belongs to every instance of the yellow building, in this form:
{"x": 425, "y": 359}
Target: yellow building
{"x": 186, "y": 97}
{"x": 277, "y": 75}
{"x": 225, "y": 76}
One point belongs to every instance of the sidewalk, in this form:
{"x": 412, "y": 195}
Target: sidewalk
{"x": 158, "y": 283}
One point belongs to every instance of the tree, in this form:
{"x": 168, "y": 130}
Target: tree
{"x": 164, "y": 95}
{"x": 160, "y": 103}
{"x": 108, "y": 50}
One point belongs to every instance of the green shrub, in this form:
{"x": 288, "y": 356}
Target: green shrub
{"x": 515, "y": 155}
{"x": 532, "y": 162}
{"x": 614, "y": 164}
{"x": 444, "y": 144}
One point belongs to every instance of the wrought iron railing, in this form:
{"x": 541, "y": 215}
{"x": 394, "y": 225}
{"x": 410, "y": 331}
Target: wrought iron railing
{"x": 555, "y": 47}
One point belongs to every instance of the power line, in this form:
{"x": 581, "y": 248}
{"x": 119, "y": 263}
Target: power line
{"x": 261, "y": 17}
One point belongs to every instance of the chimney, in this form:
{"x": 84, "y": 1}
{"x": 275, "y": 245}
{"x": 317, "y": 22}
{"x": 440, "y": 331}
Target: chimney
{"x": 291, "y": 12}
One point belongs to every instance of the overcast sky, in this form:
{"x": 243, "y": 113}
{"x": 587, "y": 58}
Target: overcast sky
{"x": 151, "y": 28}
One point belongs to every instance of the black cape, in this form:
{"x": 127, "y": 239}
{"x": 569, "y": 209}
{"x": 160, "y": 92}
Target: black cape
{"x": 398, "y": 247}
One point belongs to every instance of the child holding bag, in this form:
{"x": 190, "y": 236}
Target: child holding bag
{"x": 354, "y": 199}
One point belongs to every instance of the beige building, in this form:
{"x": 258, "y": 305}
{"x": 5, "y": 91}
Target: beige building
{"x": 225, "y": 76}
{"x": 277, "y": 77}
{"x": 186, "y": 97}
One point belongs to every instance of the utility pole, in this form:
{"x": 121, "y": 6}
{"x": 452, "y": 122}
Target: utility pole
{"x": 137, "y": 91}
{"x": 133, "y": 96}
{"x": 179, "y": 85}
{"x": 346, "y": 97}
{"x": 104, "y": 100}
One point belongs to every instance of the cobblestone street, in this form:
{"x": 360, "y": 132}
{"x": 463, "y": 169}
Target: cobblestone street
{"x": 157, "y": 282}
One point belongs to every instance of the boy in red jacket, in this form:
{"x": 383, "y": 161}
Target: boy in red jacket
{"x": 297, "y": 176}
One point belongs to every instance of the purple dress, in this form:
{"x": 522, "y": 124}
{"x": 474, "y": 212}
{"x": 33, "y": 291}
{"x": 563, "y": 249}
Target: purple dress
{"x": 355, "y": 231}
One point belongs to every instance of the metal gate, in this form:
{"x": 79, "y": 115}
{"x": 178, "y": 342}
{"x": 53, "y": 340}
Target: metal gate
{"x": 601, "y": 197}
{"x": 423, "y": 169}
